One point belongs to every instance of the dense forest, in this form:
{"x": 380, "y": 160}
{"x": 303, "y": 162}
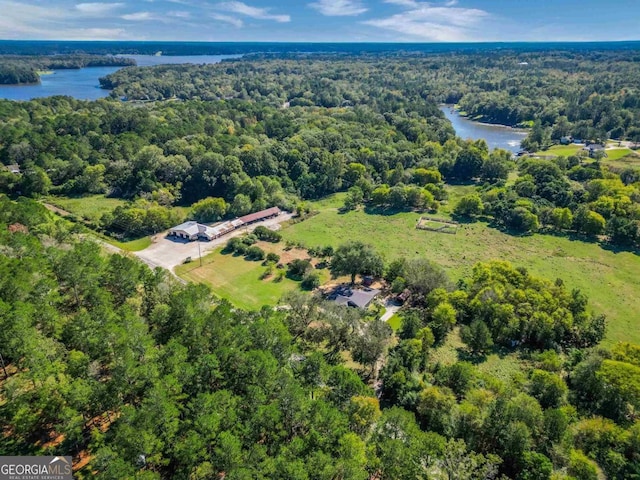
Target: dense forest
{"x": 16, "y": 70}
{"x": 591, "y": 95}
{"x": 139, "y": 376}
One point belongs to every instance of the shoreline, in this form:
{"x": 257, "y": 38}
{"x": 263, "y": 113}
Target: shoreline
{"x": 453, "y": 109}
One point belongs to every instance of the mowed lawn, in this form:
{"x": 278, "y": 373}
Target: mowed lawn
{"x": 611, "y": 279}
{"x": 238, "y": 280}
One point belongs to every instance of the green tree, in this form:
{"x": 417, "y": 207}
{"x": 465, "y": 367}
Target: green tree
{"x": 469, "y": 206}
{"x": 588, "y": 222}
{"x": 354, "y": 258}
{"x": 561, "y": 218}
{"x": 548, "y": 388}
{"x": 209, "y": 209}
{"x": 477, "y": 336}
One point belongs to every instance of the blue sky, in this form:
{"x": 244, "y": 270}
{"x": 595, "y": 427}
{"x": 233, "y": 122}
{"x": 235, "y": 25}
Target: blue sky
{"x": 322, "y": 20}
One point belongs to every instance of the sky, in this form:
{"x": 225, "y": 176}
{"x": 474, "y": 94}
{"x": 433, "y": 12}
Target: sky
{"x": 322, "y": 20}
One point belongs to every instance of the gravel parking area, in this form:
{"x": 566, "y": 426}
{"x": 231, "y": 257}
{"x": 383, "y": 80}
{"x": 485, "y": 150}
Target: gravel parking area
{"x": 168, "y": 252}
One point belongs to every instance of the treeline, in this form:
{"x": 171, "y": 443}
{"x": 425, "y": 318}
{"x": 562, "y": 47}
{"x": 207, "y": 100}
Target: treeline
{"x": 564, "y": 195}
{"x": 15, "y": 70}
{"x": 591, "y": 95}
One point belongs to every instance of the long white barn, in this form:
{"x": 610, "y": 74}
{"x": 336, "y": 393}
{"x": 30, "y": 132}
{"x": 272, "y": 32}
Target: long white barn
{"x": 193, "y": 230}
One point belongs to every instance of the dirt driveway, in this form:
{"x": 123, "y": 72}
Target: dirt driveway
{"x": 169, "y": 252}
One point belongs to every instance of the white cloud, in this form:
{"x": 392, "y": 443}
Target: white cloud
{"x": 95, "y": 8}
{"x": 178, "y": 14}
{"x": 21, "y": 20}
{"x": 405, "y": 3}
{"x": 339, "y": 8}
{"x": 139, "y": 16}
{"x": 424, "y": 21}
{"x": 253, "y": 12}
{"x": 236, "y": 22}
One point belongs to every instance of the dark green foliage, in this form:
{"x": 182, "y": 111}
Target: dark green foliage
{"x": 477, "y": 336}
{"x": 266, "y": 234}
{"x": 254, "y": 253}
{"x": 356, "y": 258}
{"x": 298, "y": 268}
{"x": 272, "y": 258}
{"x": 310, "y": 281}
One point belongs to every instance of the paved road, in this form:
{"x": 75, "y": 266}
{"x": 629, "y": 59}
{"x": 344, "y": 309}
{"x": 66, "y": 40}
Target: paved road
{"x": 169, "y": 252}
{"x": 391, "y": 310}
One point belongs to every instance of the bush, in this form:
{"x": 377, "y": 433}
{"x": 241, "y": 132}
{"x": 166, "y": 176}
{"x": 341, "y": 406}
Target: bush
{"x": 272, "y": 257}
{"x": 255, "y": 253}
{"x": 249, "y": 239}
{"x": 233, "y": 244}
{"x": 311, "y": 281}
{"x": 266, "y": 234}
{"x": 279, "y": 276}
{"x": 298, "y": 268}
{"x": 398, "y": 285}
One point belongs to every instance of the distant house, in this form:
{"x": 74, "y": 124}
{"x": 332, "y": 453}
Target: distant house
{"x": 15, "y": 169}
{"x": 594, "y": 148}
{"x": 359, "y": 298}
{"x": 566, "y": 140}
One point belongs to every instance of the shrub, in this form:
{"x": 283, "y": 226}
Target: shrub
{"x": 255, "y": 253}
{"x": 249, "y": 239}
{"x": 279, "y": 276}
{"x": 311, "y": 281}
{"x": 233, "y": 244}
{"x": 266, "y": 234}
{"x": 272, "y": 257}
{"x": 298, "y": 268}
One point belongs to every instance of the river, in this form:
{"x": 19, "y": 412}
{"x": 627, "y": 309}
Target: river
{"x": 496, "y": 136}
{"x": 83, "y": 83}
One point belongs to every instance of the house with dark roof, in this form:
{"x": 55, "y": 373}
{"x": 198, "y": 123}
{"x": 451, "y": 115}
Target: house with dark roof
{"x": 359, "y": 298}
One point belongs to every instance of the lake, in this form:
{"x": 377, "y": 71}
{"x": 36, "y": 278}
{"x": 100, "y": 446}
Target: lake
{"x": 496, "y": 136}
{"x": 83, "y": 84}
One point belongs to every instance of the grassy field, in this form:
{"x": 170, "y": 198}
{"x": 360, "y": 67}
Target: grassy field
{"x": 609, "y": 277}
{"x": 618, "y": 153}
{"x": 130, "y": 245}
{"x": 238, "y": 280}
{"x": 613, "y": 154}
{"x": 560, "y": 151}
{"x": 90, "y": 207}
